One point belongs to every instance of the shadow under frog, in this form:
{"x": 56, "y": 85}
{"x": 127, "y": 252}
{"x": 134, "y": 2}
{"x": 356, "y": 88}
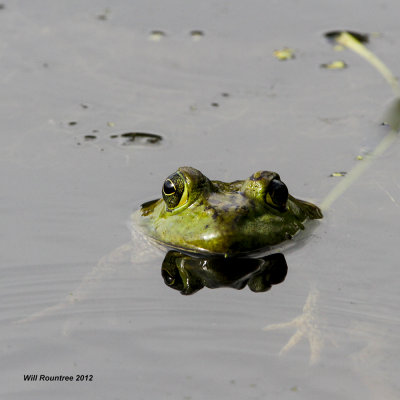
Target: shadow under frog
{"x": 189, "y": 274}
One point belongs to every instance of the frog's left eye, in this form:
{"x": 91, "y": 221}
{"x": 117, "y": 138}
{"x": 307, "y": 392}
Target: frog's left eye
{"x": 174, "y": 191}
{"x": 169, "y": 280}
{"x": 277, "y": 194}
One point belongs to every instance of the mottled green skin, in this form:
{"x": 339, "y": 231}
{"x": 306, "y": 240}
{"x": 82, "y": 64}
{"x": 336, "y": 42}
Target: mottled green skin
{"x": 224, "y": 218}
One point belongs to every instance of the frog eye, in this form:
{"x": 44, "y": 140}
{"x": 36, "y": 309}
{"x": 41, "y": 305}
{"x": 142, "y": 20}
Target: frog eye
{"x": 169, "y": 280}
{"x": 174, "y": 191}
{"x": 277, "y": 194}
{"x": 171, "y": 277}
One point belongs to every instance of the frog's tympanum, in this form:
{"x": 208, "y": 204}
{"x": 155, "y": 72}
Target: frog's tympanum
{"x": 200, "y": 216}
{"x": 190, "y": 274}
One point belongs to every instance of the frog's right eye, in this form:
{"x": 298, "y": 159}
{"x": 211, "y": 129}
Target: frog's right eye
{"x": 277, "y": 194}
{"x": 169, "y": 280}
{"x": 174, "y": 191}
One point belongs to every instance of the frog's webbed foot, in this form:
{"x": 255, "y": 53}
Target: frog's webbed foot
{"x": 105, "y": 267}
{"x": 306, "y": 326}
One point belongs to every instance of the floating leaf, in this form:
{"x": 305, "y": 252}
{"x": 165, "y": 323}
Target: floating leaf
{"x": 337, "y": 174}
{"x": 361, "y": 37}
{"x": 354, "y": 41}
{"x": 335, "y": 65}
{"x": 284, "y": 54}
{"x": 156, "y": 36}
{"x": 197, "y": 35}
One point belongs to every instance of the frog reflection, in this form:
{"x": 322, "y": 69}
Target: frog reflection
{"x": 190, "y": 274}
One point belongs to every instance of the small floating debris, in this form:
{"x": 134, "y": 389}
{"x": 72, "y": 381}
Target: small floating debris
{"x": 133, "y": 138}
{"x": 225, "y": 94}
{"x": 284, "y": 54}
{"x": 105, "y": 15}
{"x": 156, "y": 36}
{"x": 72, "y": 123}
{"x": 90, "y": 137}
{"x": 334, "y": 35}
{"x": 84, "y": 106}
{"x": 338, "y": 174}
{"x": 111, "y": 124}
{"x": 359, "y": 158}
{"x": 196, "y": 35}
{"x": 215, "y": 104}
{"x": 335, "y": 65}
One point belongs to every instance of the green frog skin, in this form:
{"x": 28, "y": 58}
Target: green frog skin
{"x": 200, "y": 216}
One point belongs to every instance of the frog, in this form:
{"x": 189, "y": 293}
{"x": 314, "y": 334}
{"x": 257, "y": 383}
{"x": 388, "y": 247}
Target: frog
{"x": 196, "y": 215}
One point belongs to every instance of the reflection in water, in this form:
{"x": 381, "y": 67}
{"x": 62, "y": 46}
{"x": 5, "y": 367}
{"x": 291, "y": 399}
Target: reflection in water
{"x": 190, "y": 274}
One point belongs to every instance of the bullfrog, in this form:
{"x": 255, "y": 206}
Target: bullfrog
{"x": 209, "y": 217}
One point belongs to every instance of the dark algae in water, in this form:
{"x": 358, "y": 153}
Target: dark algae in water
{"x": 128, "y": 138}
{"x": 90, "y": 137}
{"x": 133, "y": 138}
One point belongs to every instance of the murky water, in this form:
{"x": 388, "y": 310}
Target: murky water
{"x": 79, "y": 297}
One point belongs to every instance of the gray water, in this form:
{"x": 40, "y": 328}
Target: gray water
{"x": 79, "y": 297}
